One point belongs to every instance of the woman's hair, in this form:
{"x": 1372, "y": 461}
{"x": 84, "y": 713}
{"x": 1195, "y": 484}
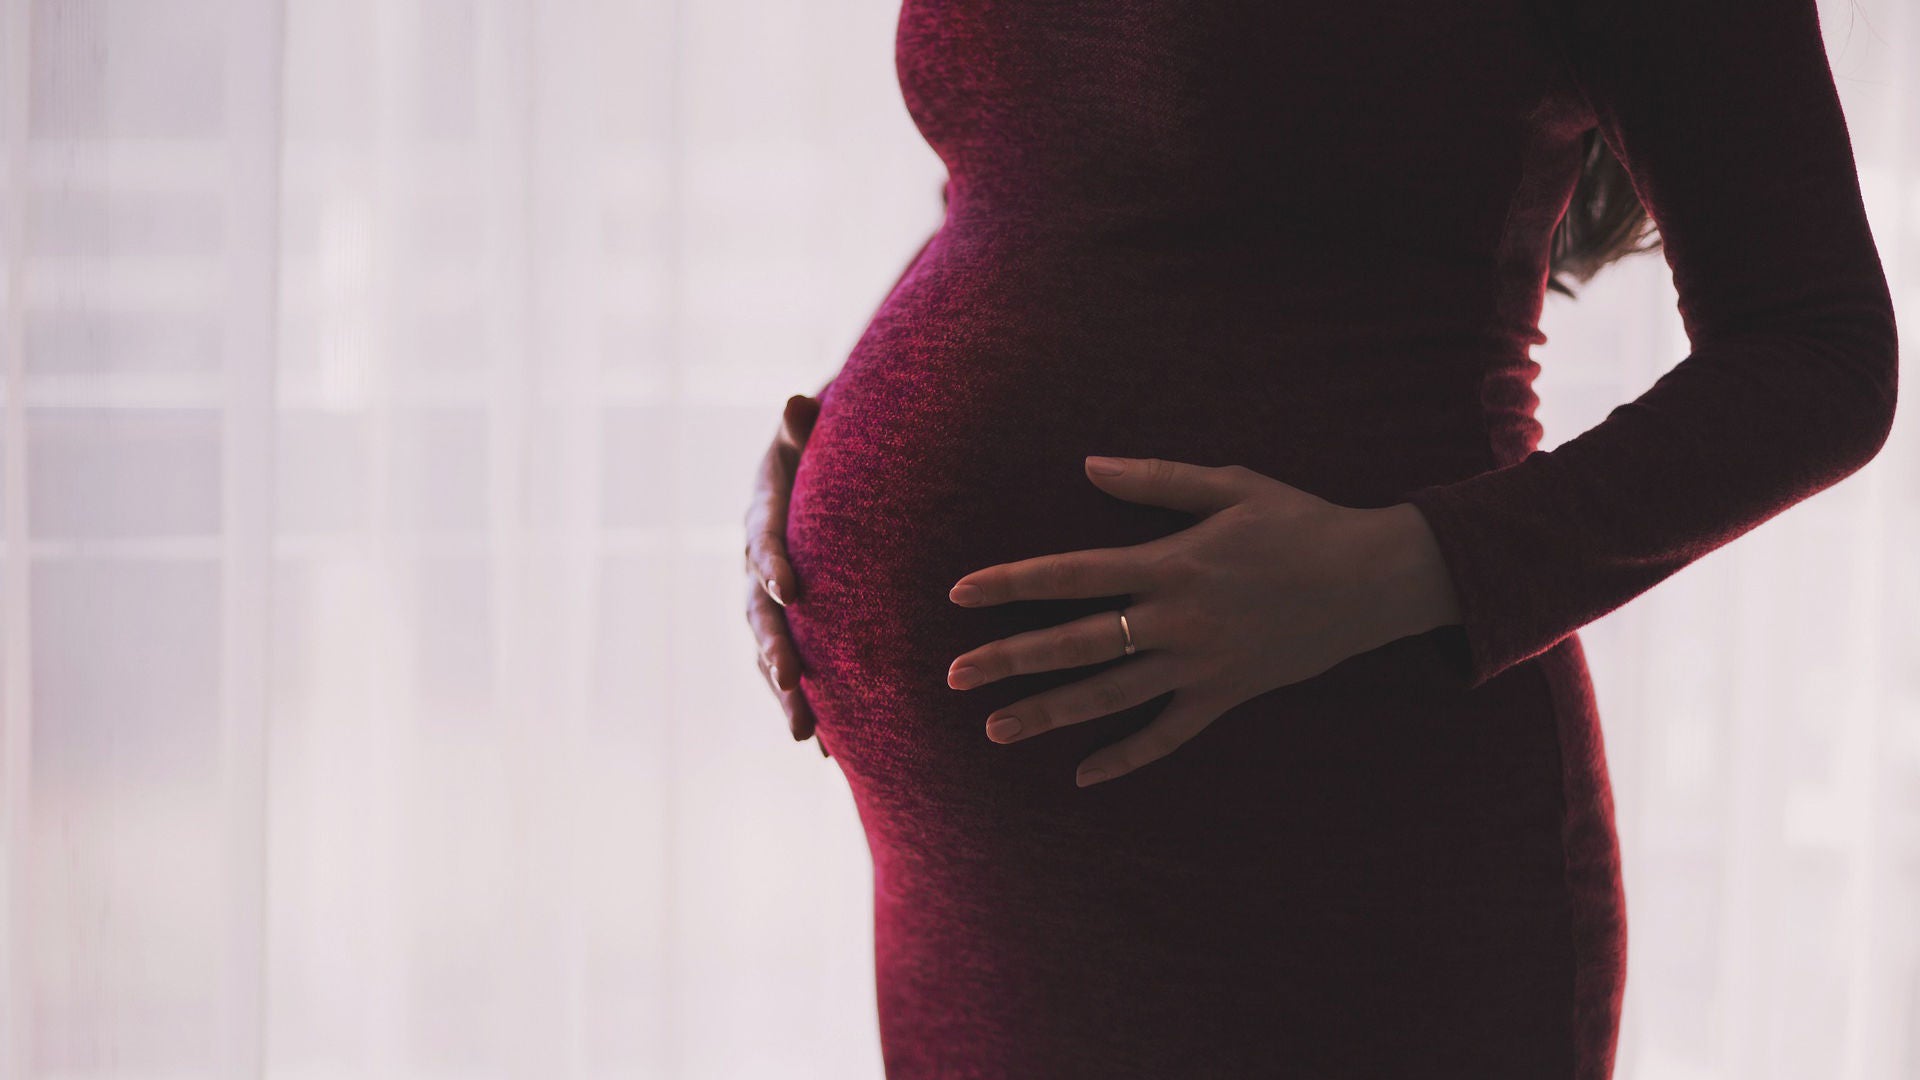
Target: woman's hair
{"x": 1605, "y": 220}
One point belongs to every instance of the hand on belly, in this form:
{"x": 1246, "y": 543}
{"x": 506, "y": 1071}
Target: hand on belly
{"x": 1273, "y": 585}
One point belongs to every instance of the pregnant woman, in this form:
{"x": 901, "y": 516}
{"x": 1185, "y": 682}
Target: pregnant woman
{"x": 1267, "y": 748}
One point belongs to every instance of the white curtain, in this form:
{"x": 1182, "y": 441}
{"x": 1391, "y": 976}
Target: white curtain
{"x": 383, "y": 382}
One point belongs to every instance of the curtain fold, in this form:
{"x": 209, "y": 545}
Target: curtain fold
{"x": 381, "y": 386}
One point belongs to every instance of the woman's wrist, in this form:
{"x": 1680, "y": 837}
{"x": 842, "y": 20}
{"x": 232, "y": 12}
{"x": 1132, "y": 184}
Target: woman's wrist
{"x": 1416, "y": 592}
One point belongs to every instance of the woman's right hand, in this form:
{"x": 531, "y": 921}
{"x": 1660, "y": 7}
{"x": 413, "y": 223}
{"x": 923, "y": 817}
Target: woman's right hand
{"x": 770, "y": 579}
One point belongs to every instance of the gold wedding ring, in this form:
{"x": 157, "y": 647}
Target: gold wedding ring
{"x": 1124, "y": 629}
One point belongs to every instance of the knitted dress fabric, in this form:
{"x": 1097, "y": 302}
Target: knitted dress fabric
{"x": 1310, "y": 239}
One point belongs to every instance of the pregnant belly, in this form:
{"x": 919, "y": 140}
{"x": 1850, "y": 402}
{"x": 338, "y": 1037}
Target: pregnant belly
{"x": 913, "y": 477}
{"x": 953, "y": 439}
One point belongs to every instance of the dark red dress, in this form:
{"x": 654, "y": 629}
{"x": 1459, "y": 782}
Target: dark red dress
{"x": 1311, "y": 239}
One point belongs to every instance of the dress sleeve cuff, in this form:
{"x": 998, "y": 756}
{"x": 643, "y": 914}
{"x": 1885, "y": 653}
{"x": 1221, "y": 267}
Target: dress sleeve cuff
{"x": 1502, "y": 620}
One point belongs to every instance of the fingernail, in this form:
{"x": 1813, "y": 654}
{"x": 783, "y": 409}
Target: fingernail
{"x": 773, "y": 590}
{"x": 1106, "y": 466}
{"x": 1091, "y": 776}
{"x": 773, "y": 675}
{"x": 1003, "y": 728}
{"x": 964, "y": 594}
{"x": 964, "y": 678}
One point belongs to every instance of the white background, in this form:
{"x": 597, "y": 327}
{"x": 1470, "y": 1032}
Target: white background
{"x": 383, "y": 383}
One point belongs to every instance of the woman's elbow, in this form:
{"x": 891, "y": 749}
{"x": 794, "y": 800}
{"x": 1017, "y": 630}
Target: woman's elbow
{"x": 1876, "y": 349}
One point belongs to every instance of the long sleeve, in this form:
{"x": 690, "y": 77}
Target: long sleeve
{"x": 1725, "y": 114}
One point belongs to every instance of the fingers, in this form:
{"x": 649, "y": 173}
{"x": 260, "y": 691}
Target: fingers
{"x": 766, "y": 527}
{"x": 771, "y": 637}
{"x": 772, "y": 580}
{"x": 1090, "y": 639}
{"x": 1187, "y": 714}
{"x": 796, "y": 421}
{"x": 766, "y": 519}
{"x": 1122, "y": 686}
{"x": 1067, "y": 575}
{"x": 771, "y": 572}
{"x": 800, "y": 719}
{"x": 1197, "y": 489}
{"x": 778, "y": 660}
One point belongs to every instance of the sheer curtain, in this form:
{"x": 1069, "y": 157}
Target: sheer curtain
{"x": 383, "y": 382}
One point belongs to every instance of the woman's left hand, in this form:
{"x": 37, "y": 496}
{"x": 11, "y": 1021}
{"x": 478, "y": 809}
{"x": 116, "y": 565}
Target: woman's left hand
{"x": 1274, "y": 585}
